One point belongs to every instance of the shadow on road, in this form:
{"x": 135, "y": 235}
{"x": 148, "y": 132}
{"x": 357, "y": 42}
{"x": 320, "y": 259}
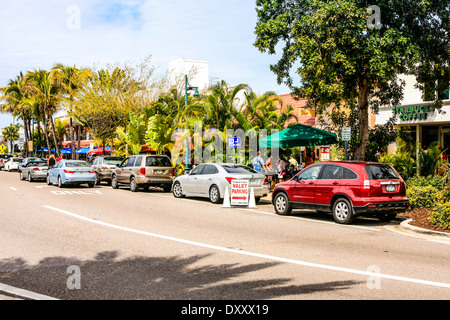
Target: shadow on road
{"x": 155, "y": 278}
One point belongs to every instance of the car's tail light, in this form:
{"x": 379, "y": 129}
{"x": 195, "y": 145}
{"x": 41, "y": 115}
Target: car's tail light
{"x": 266, "y": 181}
{"x": 173, "y": 171}
{"x": 91, "y": 171}
{"x": 142, "y": 171}
{"x": 365, "y": 188}
{"x": 69, "y": 171}
{"x": 35, "y": 169}
{"x": 229, "y": 179}
{"x": 104, "y": 168}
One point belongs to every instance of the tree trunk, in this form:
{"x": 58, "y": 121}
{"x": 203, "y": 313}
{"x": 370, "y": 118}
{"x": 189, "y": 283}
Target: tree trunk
{"x": 79, "y": 140}
{"x": 55, "y": 139}
{"x": 363, "y": 106}
{"x": 46, "y": 132}
{"x": 72, "y": 138}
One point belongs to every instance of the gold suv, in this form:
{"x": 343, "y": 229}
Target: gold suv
{"x": 144, "y": 171}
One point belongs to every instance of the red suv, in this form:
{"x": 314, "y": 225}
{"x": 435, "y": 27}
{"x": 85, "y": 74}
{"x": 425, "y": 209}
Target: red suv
{"x": 347, "y": 189}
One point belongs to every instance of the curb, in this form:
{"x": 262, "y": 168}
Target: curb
{"x": 405, "y": 225}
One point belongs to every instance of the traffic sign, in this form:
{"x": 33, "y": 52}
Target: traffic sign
{"x": 234, "y": 142}
{"x": 239, "y": 192}
{"x": 346, "y": 133}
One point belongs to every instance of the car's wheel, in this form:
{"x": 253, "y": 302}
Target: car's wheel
{"x": 177, "y": 190}
{"x": 21, "y": 176}
{"x": 30, "y": 179}
{"x": 281, "y": 204}
{"x": 133, "y": 185}
{"x": 60, "y": 184}
{"x": 167, "y": 188}
{"x": 214, "y": 194}
{"x": 343, "y": 211}
{"x": 91, "y": 184}
{"x": 97, "y": 179}
{"x": 48, "y": 180}
{"x": 114, "y": 183}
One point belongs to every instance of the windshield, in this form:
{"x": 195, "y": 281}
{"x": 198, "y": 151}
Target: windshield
{"x": 112, "y": 160}
{"x": 238, "y": 169}
{"x": 77, "y": 164}
{"x": 380, "y": 171}
{"x": 17, "y": 160}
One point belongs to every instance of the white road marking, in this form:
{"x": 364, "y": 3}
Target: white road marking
{"x": 12, "y": 188}
{"x": 24, "y": 293}
{"x": 253, "y": 254}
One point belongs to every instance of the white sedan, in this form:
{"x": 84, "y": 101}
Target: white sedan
{"x": 13, "y": 164}
{"x": 211, "y": 179}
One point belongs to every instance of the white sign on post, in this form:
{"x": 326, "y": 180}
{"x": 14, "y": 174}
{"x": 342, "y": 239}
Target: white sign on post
{"x": 346, "y": 133}
{"x": 239, "y": 192}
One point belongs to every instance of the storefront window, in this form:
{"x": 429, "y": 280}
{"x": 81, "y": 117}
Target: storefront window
{"x": 408, "y": 134}
{"x": 430, "y": 134}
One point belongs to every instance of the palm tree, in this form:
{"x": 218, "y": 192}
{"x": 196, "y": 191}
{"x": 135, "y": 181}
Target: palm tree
{"x": 71, "y": 79}
{"x": 15, "y": 95}
{"x": 46, "y": 91}
{"x": 11, "y": 134}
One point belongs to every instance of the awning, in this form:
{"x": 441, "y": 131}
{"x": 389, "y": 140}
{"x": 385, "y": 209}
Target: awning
{"x": 298, "y": 136}
{"x": 100, "y": 150}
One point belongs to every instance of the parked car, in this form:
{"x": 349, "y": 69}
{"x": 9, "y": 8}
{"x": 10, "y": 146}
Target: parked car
{"x": 3, "y": 158}
{"x": 66, "y": 172}
{"x": 346, "y": 189}
{"x": 34, "y": 170}
{"x": 144, "y": 171}
{"x": 211, "y": 179}
{"x": 27, "y": 160}
{"x": 13, "y": 163}
{"x": 104, "y": 165}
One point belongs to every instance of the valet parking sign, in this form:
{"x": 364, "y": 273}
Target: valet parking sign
{"x": 239, "y": 193}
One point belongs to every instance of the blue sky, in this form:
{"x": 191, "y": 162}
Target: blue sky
{"x": 39, "y": 34}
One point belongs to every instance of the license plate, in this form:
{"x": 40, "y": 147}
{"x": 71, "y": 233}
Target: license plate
{"x": 390, "y": 188}
{"x": 159, "y": 172}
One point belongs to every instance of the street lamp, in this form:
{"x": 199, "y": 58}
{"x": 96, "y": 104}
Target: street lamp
{"x": 188, "y": 87}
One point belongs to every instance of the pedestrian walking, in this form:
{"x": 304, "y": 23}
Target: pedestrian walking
{"x": 258, "y": 163}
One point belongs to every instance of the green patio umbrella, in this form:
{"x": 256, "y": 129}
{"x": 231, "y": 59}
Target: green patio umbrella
{"x": 299, "y": 135}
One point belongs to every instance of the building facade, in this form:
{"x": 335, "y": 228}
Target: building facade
{"x": 417, "y": 118}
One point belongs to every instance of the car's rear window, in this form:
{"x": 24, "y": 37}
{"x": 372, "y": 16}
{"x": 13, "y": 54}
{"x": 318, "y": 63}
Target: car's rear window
{"x": 380, "y": 171}
{"x": 238, "y": 169}
{"x": 77, "y": 164}
{"x": 158, "y": 162}
{"x": 38, "y": 164}
{"x": 112, "y": 160}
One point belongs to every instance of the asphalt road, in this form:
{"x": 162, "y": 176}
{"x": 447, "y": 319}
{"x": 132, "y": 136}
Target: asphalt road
{"x": 101, "y": 243}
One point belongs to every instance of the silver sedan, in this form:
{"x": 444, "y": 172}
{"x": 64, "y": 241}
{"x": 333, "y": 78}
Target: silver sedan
{"x": 211, "y": 179}
{"x": 36, "y": 170}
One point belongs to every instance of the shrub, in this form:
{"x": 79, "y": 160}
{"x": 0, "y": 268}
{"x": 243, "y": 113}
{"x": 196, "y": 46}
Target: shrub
{"x": 440, "y": 216}
{"x": 421, "y": 196}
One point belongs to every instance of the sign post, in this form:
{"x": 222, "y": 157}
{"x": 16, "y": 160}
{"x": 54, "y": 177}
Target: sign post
{"x": 239, "y": 193}
{"x": 346, "y": 136}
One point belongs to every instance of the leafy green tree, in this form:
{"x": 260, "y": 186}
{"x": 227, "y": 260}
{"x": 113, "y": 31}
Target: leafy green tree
{"x": 340, "y": 60}
{"x": 105, "y": 101}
